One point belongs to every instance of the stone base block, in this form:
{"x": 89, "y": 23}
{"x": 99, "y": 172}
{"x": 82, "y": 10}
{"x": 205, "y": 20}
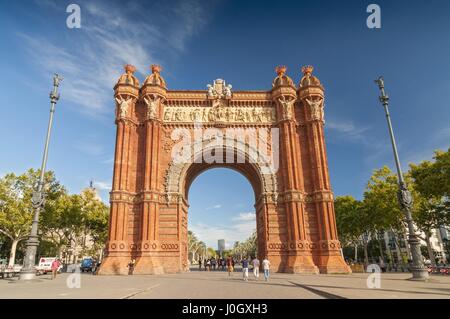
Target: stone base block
{"x": 332, "y": 264}
{"x": 114, "y": 266}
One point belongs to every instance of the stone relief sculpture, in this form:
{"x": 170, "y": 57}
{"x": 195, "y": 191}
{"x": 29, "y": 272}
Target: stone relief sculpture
{"x": 316, "y": 109}
{"x": 286, "y": 104}
{"x": 168, "y": 114}
{"x": 219, "y": 112}
{"x": 123, "y": 105}
{"x": 228, "y": 91}
{"x": 152, "y": 104}
{"x": 219, "y": 90}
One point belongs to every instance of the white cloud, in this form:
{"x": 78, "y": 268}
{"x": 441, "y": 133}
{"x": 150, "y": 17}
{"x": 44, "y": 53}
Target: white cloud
{"x": 217, "y": 206}
{"x": 246, "y": 217}
{"x": 348, "y": 130}
{"x": 102, "y": 186}
{"x": 210, "y": 234}
{"x": 244, "y": 226}
{"x": 91, "y": 58}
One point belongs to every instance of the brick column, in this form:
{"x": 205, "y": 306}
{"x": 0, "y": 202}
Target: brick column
{"x": 118, "y": 249}
{"x": 296, "y": 249}
{"x": 327, "y": 253}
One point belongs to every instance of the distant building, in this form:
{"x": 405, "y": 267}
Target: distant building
{"x": 221, "y": 245}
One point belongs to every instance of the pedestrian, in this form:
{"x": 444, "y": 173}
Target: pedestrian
{"x": 245, "y": 269}
{"x": 229, "y": 265}
{"x": 205, "y": 264}
{"x": 200, "y": 264}
{"x": 266, "y": 268}
{"x": 223, "y": 264}
{"x": 55, "y": 265}
{"x": 208, "y": 265}
{"x": 213, "y": 263}
{"x": 255, "y": 263}
{"x": 131, "y": 266}
{"x": 97, "y": 268}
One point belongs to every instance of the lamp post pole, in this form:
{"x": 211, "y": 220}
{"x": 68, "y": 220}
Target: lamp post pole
{"x": 418, "y": 269}
{"x": 28, "y": 272}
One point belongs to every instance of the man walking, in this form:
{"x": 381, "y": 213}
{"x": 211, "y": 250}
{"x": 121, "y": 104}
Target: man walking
{"x": 245, "y": 268}
{"x": 255, "y": 263}
{"x": 266, "y": 268}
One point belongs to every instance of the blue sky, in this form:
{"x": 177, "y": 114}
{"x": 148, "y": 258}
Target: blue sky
{"x": 241, "y": 42}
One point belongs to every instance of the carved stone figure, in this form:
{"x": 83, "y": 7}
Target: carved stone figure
{"x": 168, "y": 114}
{"x": 179, "y": 115}
{"x": 257, "y": 115}
{"x": 240, "y": 116}
{"x": 316, "y": 109}
{"x": 286, "y": 104}
{"x": 228, "y": 91}
{"x": 210, "y": 90}
{"x": 196, "y": 115}
{"x": 152, "y": 104}
{"x": 123, "y": 105}
{"x": 212, "y": 115}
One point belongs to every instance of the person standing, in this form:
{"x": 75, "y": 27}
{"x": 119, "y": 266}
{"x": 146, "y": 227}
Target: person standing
{"x": 266, "y": 268}
{"x": 131, "y": 266}
{"x": 229, "y": 265}
{"x": 245, "y": 268}
{"x": 200, "y": 264}
{"x": 255, "y": 263}
{"x": 55, "y": 265}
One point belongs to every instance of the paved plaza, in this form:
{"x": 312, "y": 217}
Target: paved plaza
{"x": 217, "y": 285}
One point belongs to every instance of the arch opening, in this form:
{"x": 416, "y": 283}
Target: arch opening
{"x": 227, "y": 213}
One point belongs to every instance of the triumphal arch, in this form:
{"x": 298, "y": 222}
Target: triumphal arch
{"x": 275, "y": 138}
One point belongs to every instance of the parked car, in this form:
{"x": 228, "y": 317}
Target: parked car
{"x": 87, "y": 264}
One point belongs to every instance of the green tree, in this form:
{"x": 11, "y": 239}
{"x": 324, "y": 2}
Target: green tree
{"x": 382, "y": 207}
{"x": 432, "y": 179}
{"x": 350, "y": 221}
{"x": 16, "y": 211}
{"x": 431, "y": 195}
{"x": 74, "y": 219}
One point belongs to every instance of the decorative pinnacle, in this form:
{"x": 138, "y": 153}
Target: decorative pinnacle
{"x": 156, "y": 68}
{"x": 281, "y": 70}
{"x": 307, "y": 69}
{"x": 129, "y": 68}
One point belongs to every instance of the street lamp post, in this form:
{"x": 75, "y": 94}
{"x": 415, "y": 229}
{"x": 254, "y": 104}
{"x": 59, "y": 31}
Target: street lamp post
{"x": 418, "y": 269}
{"x": 28, "y": 272}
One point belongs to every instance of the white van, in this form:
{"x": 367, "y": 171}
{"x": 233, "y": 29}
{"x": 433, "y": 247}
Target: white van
{"x": 45, "y": 265}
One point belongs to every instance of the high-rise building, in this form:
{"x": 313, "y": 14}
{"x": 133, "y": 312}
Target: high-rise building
{"x": 221, "y": 245}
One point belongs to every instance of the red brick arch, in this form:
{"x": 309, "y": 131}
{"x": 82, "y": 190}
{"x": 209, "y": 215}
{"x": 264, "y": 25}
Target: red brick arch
{"x": 149, "y": 200}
